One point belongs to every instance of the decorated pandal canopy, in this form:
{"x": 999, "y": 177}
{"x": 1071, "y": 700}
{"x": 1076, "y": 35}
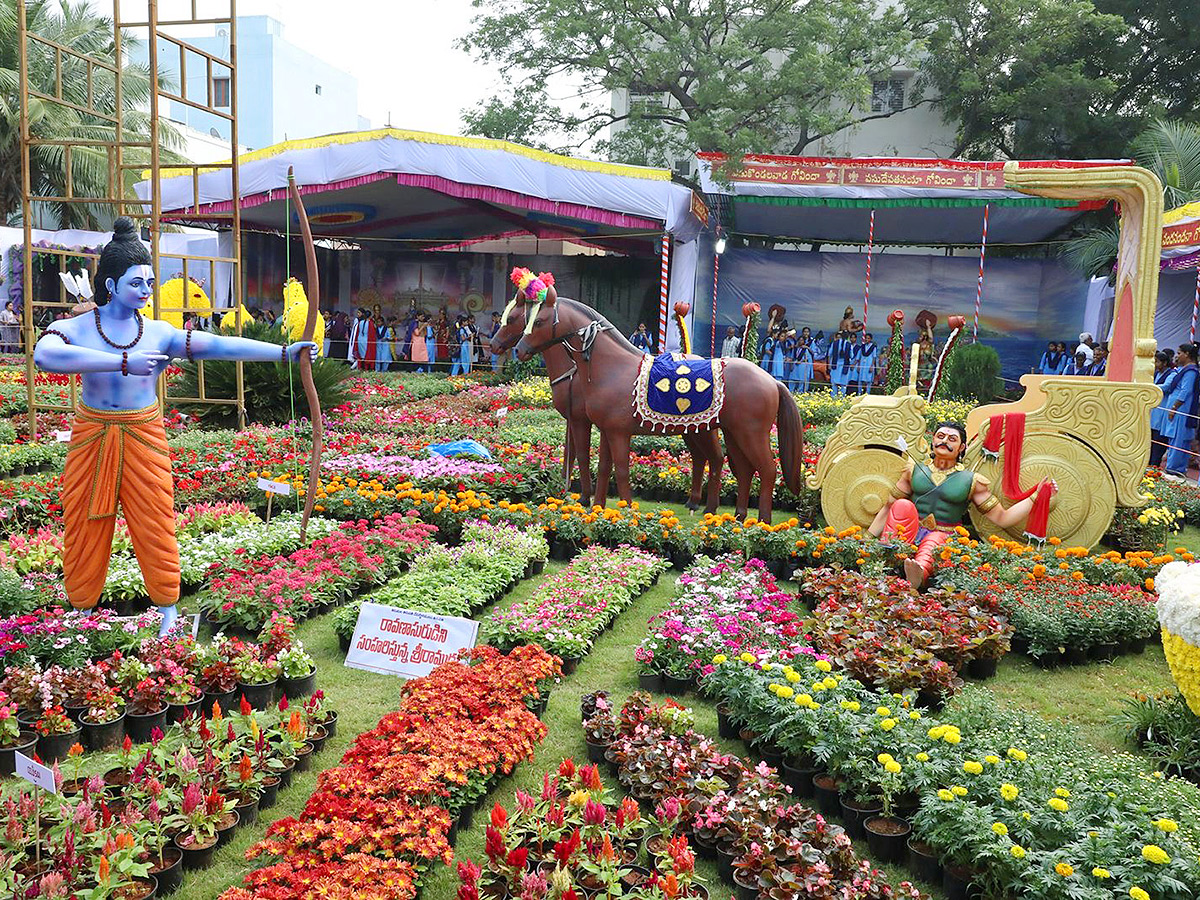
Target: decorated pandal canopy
{"x": 438, "y": 192}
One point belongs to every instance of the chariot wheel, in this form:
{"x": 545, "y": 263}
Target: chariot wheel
{"x": 1082, "y": 508}
{"x": 858, "y": 485}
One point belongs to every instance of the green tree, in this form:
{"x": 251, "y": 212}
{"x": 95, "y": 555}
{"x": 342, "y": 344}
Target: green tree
{"x": 76, "y": 26}
{"x": 1017, "y": 79}
{"x": 734, "y": 75}
{"x": 1171, "y": 150}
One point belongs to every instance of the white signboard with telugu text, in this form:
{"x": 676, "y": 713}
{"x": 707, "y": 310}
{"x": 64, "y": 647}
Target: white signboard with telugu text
{"x": 403, "y": 642}
{"x": 274, "y": 487}
{"x": 35, "y": 773}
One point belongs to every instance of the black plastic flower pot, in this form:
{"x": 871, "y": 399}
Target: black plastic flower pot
{"x": 650, "y": 681}
{"x": 887, "y": 837}
{"x": 317, "y": 737}
{"x": 103, "y": 736}
{"x": 269, "y": 792}
{"x": 330, "y": 723}
{"x": 170, "y": 874}
{"x": 298, "y": 687}
{"x": 53, "y": 748}
{"x": 259, "y": 696}
{"x": 8, "y": 755}
{"x": 726, "y": 727}
{"x": 304, "y": 758}
{"x": 957, "y": 884}
{"x": 747, "y": 889}
{"x": 225, "y": 700}
{"x": 595, "y": 752}
{"x": 139, "y": 728}
{"x": 197, "y": 857}
{"x": 177, "y": 712}
{"x": 225, "y": 834}
{"x": 855, "y": 815}
{"x": 825, "y": 791}
{"x": 247, "y": 810}
{"x": 75, "y": 713}
{"x": 800, "y": 780}
{"x": 676, "y": 687}
{"x": 923, "y": 862}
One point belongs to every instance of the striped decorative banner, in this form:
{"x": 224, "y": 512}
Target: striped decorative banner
{"x": 712, "y": 344}
{"x": 663, "y": 284}
{"x": 979, "y": 284}
{"x": 870, "y": 252}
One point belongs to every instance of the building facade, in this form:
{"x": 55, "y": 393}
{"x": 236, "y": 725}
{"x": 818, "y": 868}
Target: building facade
{"x": 284, "y": 91}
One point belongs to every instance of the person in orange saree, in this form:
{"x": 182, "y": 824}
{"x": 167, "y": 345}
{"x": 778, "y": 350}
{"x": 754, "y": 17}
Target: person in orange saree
{"x": 930, "y": 502}
{"x": 119, "y": 454}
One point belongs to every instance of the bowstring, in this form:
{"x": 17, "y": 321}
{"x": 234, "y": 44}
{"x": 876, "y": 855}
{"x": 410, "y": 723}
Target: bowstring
{"x": 287, "y": 206}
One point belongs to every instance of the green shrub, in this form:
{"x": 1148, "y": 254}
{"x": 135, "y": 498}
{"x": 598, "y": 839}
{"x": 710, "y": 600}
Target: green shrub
{"x": 272, "y": 390}
{"x": 973, "y": 374}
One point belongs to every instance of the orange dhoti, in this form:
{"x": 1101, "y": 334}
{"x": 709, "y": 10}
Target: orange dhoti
{"x": 905, "y": 523}
{"x": 118, "y": 455}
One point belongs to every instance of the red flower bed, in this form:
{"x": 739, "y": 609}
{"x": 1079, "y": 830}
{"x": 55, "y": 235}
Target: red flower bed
{"x": 376, "y": 822}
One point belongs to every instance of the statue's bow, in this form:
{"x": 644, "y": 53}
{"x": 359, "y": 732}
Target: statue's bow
{"x": 306, "y": 377}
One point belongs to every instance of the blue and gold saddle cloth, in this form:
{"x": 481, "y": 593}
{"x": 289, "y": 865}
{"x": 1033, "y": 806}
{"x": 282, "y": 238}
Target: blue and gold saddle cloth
{"x": 677, "y": 392}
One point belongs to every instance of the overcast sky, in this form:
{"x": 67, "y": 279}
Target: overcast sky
{"x": 401, "y": 51}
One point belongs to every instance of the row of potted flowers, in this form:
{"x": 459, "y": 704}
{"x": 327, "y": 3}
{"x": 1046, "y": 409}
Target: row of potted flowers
{"x": 380, "y": 819}
{"x": 765, "y": 842}
{"x": 247, "y": 591}
{"x": 570, "y": 608}
{"x": 576, "y": 840}
{"x": 1006, "y": 801}
{"x": 885, "y": 633}
{"x": 131, "y": 832}
{"x": 721, "y": 606}
{"x": 460, "y": 580}
{"x": 160, "y": 682}
{"x": 1065, "y": 620}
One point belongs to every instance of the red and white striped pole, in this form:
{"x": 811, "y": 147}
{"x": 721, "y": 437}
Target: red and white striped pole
{"x": 1195, "y": 306}
{"x": 870, "y": 252}
{"x": 712, "y": 344}
{"x": 979, "y": 285}
{"x": 663, "y": 284}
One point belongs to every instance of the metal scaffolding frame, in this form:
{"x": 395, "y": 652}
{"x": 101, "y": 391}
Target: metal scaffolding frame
{"x": 121, "y": 155}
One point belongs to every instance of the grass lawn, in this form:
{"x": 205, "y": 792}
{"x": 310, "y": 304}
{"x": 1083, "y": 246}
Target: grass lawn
{"x": 1084, "y": 696}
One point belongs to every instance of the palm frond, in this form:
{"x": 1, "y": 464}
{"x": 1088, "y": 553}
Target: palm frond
{"x": 1095, "y": 253}
{"x": 1172, "y": 151}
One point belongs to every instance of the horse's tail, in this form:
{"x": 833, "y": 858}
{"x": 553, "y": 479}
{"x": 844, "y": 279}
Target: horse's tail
{"x": 791, "y": 440}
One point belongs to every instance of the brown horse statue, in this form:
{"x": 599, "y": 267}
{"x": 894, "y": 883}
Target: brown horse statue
{"x": 608, "y": 368}
{"x": 568, "y": 399}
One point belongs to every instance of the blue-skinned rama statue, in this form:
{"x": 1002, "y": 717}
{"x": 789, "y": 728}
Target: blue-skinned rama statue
{"x": 118, "y": 452}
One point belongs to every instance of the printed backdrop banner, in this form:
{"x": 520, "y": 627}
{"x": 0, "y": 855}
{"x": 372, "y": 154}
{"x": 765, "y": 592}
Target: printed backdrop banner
{"x": 1026, "y": 303}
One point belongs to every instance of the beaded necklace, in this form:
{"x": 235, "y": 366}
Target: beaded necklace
{"x": 104, "y": 337}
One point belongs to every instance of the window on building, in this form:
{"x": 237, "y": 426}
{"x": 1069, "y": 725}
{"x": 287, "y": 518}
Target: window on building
{"x": 220, "y": 92}
{"x": 646, "y": 103}
{"x": 887, "y": 95}
{"x": 316, "y": 89}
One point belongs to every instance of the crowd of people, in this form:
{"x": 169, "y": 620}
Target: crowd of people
{"x": 419, "y": 341}
{"x": 1088, "y": 358}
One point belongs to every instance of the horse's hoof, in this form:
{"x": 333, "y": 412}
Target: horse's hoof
{"x": 691, "y": 507}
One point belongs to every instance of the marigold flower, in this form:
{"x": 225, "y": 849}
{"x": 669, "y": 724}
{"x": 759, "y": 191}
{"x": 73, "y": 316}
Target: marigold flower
{"x": 999, "y": 828}
{"x": 1017, "y": 851}
{"x": 1101, "y": 872}
{"x": 944, "y": 794}
{"x": 972, "y": 767}
{"x": 1009, "y": 792}
{"x": 1018, "y": 755}
{"x": 958, "y": 790}
{"x": 1066, "y": 870}
{"x": 1058, "y": 804}
{"x": 1138, "y": 894}
{"x": 1155, "y": 854}
{"x": 1167, "y": 825}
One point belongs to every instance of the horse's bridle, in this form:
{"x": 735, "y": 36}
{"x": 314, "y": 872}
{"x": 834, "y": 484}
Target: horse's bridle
{"x": 587, "y": 339}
